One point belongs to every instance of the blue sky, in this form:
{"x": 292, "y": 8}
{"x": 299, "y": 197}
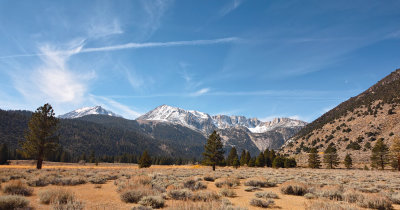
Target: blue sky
{"x": 256, "y": 58}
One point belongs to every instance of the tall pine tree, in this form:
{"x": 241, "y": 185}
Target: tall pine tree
{"x": 395, "y": 151}
{"x": 243, "y": 158}
{"x": 314, "y": 159}
{"x": 380, "y": 155}
{"x": 348, "y": 162}
{"x": 260, "y": 160}
{"x": 214, "y": 152}
{"x": 41, "y": 138}
{"x": 232, "y": 155}
{"x": 3, "y": 154}
{"x": 331, "y": 158}
{"x": 145, "y": 160}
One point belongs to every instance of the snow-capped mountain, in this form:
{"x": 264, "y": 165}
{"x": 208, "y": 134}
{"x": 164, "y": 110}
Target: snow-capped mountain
{"x": 88, "y": 111}
{"x": 277, "y": 123}
{"x": 205, "y": 123}
{"x": 193, "y": 119}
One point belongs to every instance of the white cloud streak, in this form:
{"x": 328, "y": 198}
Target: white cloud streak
{"x": 234, "y": 4}
{"x": 132, "y": 46}
{"x": 200, "y": 92}
{"x": 119, "y": 108}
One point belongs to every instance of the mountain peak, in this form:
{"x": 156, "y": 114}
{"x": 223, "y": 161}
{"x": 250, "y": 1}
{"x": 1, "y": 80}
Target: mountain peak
{"x": 87, "y": 111}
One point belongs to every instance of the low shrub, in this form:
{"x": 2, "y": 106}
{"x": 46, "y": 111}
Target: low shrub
{"x": 141, "y": 208}
{"x": 209, "y": 178}
{"x": 56, "y": 196}
{"x": 226, "y": 192}
{"x": 180, "y": 194}
{"x": 194, "y": 185}
{"x": 294, "y": 188}
{"x": 70, "y": 205}
{"x": 376, "y": 201}
{"x": 261, "y": 203}
{"x": 204, "y": 195}
{"x": 353, "y": 196}
{"x": 332, "y": 193}
{"x": 266, "y": 195}
{"x": 310, "y": 196}
{"x": 17, "y": 187}
{"x": 251, "y": 189}
{"x": 324, "y": 205}
{"x": 259, "y": 182}
{"x": 227, "y": 182}
{"x": 13, "y": 202}
{"x": 153, "y": 201}
{"x": 133, "y": 195}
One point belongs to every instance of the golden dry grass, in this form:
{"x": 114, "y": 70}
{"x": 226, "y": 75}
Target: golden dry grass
{"x": 158, "y": 180}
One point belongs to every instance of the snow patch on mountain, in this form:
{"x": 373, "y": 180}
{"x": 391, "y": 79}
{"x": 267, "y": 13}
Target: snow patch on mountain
{"x": 205, "y": 123}
{"x": 87, "y": 111}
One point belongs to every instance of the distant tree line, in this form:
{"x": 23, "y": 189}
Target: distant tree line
{"x": 213, "y": 156}
{"x": 381, "y": 156}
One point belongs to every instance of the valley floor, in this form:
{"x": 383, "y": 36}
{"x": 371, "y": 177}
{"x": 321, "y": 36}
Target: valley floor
{"x": 185, "y": 187}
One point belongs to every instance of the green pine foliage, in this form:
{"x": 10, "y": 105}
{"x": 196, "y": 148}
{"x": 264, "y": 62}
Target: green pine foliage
{"x": 214, "y": 152}
{"x": 348, "y": 161}
{"x": 331, "y": 158}
{"x": 267, "y": 158}
{"x": 243, "y": 158}
{"x": 314, "y": 159}
{"x": 41, "y": 137}
{"x": 145, "y": 160}
{"x": 260, "y": 160}
{"x": 247, "y": 158}
{"x": 252, "y": 162}
{"x": 232, "y": 155}
{"x": 4, "y": 154}
{"x": 279, "y": 162}
{"x": 289, "y": 163}
{"x": 380, "y": 155}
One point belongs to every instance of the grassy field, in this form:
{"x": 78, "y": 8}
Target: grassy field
{"x": 124, "y": 186}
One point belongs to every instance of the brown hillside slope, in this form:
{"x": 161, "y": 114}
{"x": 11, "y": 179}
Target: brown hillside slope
{"x": 354, "y": 124}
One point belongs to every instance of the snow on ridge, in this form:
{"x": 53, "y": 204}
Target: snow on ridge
{"x": 204, "y": 122}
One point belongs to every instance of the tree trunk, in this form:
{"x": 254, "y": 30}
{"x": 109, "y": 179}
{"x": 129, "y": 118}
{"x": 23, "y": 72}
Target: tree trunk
{"x": 40, "y": 159}
{"x": 39, "y": 163}
{"x": 398, "y": 162}
{"x": 213, "y": 166}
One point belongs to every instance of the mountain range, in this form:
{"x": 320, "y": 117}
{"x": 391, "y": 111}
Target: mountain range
{"x": 164, "y": 131}
{"x": 244, "y": 133}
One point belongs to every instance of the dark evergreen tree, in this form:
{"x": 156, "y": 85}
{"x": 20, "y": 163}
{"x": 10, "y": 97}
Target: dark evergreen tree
{"x": 272, "y": 155}
{"x": 243, "y": 158}
{"x": 236, "y": 163}
{"x": 4, "y": 154}
{"x": 314, "y": 159}
{"x": 380, "y": 155}
{"x": 278, "y": 162}
{"x": 331, "y": 158}
{"x": 214, "y": 152}
{"x": 65, "y": 157}
{"x": 260, "y": 160}
{"x": 267, "y": 158}
{"x": 92, "y": 157}
{"x": 232, "y": 155}
{"x": 248, "y": 158}
{"x": 348, "y": 162}
{"x": 252, "y": 162}
{"x": 290, "y": 163}
{"x": 145, "y": 160}
{"x": 41, "y": 138}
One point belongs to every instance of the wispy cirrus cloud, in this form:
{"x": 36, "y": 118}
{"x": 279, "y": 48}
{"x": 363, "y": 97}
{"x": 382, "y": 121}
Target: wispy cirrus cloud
{"x": 132, "y": 46}
{"x": 231, "y": 6}
{"x": 200, "y": 92}
{"x": 118, "y": 107}
{"x": 53, "y": 80}
{"x": 105, "y": 28}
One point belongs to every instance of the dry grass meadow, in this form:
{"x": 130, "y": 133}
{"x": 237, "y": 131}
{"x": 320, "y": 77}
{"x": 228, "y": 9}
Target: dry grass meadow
{"x": 124, "y": 186}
